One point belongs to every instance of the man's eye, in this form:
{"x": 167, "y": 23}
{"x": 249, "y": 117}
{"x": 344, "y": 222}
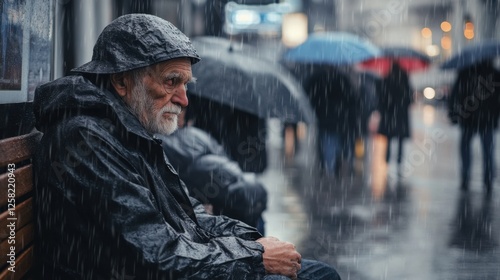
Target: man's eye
{"x": 171, "y": 81}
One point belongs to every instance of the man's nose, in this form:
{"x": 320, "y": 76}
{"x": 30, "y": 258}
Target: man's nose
{"x": 180, "y": 97}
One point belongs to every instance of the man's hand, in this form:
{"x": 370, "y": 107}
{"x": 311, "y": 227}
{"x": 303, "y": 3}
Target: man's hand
{"x": 280, "y": 257}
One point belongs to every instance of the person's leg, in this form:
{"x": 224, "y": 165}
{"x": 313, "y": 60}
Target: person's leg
{"x": 348, "y": 144}
{"x": 465, "y": 157}
{"x": 261, "y": 226}
{"x": 400, "y": 149}
{"x": 311, "y": 270}
{"x": 337, "y": 143}
{"x": 330, "y": 150}
{"x": 388, "y": 152}
{"x": 488, "y": 158}
{"x": 317, "y": 270}
{"x": 319, "y": 151}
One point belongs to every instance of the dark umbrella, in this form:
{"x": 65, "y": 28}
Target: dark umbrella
{"x": 409, "y": 59}
{"x": 334, "y": 48}
{"x": 227, "y": 76}
{"x": 473, "y": 54}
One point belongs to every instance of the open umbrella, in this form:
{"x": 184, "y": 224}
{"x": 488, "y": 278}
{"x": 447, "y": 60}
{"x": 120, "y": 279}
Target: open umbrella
{"x": 409, "y": 59}
{"x": 473, "y": 54}
{"x": 227, "y": 76}
{"x": 335, "y": 48}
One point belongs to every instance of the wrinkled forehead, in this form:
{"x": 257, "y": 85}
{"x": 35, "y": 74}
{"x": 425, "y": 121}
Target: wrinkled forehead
{"x": 180, "y": 67}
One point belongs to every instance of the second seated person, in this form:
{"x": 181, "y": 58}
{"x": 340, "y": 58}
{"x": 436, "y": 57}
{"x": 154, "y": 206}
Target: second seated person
{"x": 212, "y": 177}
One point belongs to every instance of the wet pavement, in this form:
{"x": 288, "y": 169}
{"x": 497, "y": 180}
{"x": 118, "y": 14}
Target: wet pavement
{"x": 381, "y": 222}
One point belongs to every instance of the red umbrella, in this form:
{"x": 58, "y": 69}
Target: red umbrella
{"x": 409, "y": 59}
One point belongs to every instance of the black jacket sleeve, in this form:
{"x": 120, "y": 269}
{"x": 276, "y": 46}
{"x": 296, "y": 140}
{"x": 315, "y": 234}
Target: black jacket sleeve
{"x": 223, "y": 226}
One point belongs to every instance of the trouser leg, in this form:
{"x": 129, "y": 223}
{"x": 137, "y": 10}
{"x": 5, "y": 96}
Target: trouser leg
{"x": 311, "y": 270}
{"x": 465, "y": 156}
{"x": 487, "y": 139}
{"x": 388, "y": 152}
{"x": 261, "y": 226}
{"x": 330, "y": 150}
{"x": 317, "y": 270}
{"x": 348, "y": 151}
{"x": 400, "y": 149}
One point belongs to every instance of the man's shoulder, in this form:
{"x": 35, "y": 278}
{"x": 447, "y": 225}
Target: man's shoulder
{"x": 82, "y": 128}
{"x": 89, "y": 123}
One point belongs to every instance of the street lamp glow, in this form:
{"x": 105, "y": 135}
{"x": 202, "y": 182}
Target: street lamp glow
{"x": 426, "y": 32}
{"x": 432, "y": 50}
{"x": 429, "y": 93}
{"x": 469, "y": 30}
{"x": 446, "y": 42}
{"x": 469, "y": 34}
{"x": 294, "y": 29}
{"x": 446, "y": 26}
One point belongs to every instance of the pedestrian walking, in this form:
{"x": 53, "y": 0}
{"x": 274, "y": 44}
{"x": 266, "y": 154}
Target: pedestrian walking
{"x": 474, "y": 105}
{"x": 332, "y": 96}
{"x": 395, "y": 97}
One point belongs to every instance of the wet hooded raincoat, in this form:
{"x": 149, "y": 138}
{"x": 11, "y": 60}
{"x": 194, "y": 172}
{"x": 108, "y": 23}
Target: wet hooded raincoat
{"x": 109, "y": 206}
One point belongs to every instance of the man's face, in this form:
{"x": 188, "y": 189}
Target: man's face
{"x": 158, "y": 97}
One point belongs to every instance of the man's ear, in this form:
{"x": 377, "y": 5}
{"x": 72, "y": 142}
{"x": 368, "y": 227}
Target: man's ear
{"x": 121, "y": 83}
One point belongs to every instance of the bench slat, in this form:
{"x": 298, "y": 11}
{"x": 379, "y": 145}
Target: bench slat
{"x": 23, "y": 182}
{"x": 19, "y": 148}
{"x": 23, "y": 265}
{"x": 23, "y": 213}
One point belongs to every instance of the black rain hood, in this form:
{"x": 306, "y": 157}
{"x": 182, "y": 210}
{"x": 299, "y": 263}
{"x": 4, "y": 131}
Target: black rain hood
{"x": 137, "y": 40}
{"x": 109, "y": 206}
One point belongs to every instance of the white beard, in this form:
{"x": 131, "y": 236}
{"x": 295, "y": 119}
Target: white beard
{"x": 141, "y": 105}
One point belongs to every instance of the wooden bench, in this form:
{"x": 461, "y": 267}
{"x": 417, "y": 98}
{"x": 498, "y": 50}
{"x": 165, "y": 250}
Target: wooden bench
{"x": 16, "y": 205}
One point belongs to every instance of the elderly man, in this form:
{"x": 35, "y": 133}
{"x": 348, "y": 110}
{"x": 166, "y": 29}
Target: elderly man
{"x": 108, "y": 204}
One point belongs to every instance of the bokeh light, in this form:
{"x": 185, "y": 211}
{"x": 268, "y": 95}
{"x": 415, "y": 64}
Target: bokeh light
{"x": 426, "y": 32}
{"x": 429, "y": 93}
{"x": 446, "y": 42}
{"x": 446, "y": 26}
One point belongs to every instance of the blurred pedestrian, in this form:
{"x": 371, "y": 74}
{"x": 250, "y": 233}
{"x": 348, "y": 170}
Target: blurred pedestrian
{"x": 474, "y": 105}
{"x": 368, "y": 84}
{"x": 395, "y": 97}
{"x": 333, "y": 98}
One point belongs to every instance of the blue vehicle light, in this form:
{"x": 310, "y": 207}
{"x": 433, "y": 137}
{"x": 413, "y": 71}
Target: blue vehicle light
{"x": 272, "y": 18}
{"x": 245, "y": 17}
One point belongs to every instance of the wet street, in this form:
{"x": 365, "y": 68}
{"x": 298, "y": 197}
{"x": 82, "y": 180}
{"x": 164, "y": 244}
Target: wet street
{"x": 385, "y": 222}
